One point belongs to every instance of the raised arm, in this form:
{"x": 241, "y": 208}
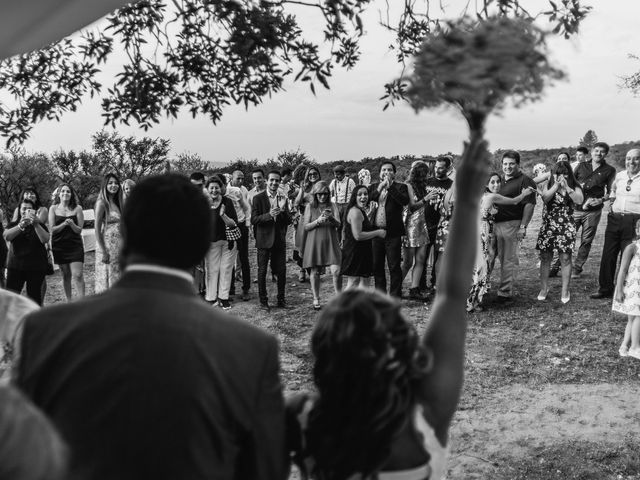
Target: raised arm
{"x": 446, "y": 331}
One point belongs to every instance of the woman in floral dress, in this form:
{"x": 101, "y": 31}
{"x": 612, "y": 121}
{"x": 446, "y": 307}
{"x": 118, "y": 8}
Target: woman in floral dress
{"x": 490, "y": 199}
{"x": 558, "y": 230}
{"x": 108, "y": 239}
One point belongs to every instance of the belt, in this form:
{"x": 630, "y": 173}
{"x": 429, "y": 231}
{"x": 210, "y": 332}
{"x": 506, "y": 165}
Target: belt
{"x": 622, "y": 215}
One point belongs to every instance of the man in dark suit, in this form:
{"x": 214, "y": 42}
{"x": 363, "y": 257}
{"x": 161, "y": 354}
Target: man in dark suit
{"x": 391, "y": 196}
{"x": 270, "y": 217}
{"x": 146, "y": 381}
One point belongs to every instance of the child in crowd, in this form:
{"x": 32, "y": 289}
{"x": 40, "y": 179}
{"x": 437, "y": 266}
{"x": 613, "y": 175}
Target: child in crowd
{"x": 626, "y": 298}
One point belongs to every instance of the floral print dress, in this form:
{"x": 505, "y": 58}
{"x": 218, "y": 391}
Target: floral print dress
{"x": 558, "y": 229}
{"x": 481, "y": 271}
{"x": 108, "y": 273}
{"x": 630, "y": 304}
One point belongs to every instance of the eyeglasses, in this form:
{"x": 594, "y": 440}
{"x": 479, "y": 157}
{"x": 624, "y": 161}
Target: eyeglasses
{"x": 629, "y": 184}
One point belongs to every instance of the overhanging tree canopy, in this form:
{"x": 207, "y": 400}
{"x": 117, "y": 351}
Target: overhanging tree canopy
{"x": 202, "y": 55}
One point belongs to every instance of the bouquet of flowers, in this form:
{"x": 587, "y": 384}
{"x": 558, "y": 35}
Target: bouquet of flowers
{"x": 539, "y": 169}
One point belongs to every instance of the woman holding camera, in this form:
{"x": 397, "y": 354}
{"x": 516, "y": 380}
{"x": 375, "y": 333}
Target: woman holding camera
{"x": 27, "y": 261}
{"x": 321, "y": 245}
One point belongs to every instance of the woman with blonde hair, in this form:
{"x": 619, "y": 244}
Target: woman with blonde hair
{"x": 108, "y": 239}
{"x": 321, "y": 245}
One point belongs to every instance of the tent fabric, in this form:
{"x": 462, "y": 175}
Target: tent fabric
{"x": 27, "y": 25}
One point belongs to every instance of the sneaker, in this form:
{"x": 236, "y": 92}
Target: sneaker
{"x": 225, "y": 304}
{"x": 213, "y": 303}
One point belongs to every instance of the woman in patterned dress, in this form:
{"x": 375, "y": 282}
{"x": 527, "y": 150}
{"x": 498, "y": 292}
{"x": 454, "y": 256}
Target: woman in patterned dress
{"x": 626, "y": 299}
{"x": 558, "y": 230}
{"x": 484, "y": 256}
{"x": 108, "y": 239}
{"x": 311, "y": 176}
{"x": 414, "y": 243}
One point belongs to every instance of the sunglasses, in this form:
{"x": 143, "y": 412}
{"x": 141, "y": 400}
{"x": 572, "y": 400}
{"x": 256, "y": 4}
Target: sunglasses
{"x": 629, "y": 185}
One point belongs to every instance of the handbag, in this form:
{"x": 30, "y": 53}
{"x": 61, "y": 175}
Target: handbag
{"x": 233, "y": 233}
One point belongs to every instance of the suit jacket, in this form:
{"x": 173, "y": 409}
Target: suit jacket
{"x": 146, "y": 381}
{"x": 397, "y": 198}
{"x": 266, "y": 230}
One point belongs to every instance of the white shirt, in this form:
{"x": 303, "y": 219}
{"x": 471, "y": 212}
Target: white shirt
{"x": 341, "y": 190}
{"x": 626, "y": 201}
{"x": 237, "y": 198}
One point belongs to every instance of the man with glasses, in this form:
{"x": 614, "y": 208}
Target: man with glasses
{"x": 595, "y": 178}
{"x": 621, "y": 221}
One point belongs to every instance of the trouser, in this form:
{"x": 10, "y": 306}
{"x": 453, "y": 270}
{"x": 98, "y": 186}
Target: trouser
{"x": 16, "y": 280}
{"x": 432, "y": 231}
{"x": 507, "y": 247}
{"x": 243, "y": 257}
{"x": 619, "y": 233}
{"x": 391, "y": 249}
{"x": 588, "y": 221}
{"x": 277, "y": 256}
{"x": 218, "y": 267}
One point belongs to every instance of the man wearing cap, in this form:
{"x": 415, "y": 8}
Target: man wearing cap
{"x": 340, "y": 189}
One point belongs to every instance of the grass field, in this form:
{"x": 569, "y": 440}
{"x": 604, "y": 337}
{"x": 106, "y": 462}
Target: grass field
{"x": 546, "y": 395}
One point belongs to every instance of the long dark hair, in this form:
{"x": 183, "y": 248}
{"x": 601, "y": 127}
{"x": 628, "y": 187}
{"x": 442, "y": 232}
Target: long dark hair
{"x": 73, "y": 203}
{"x": 562, "y": 168}
{"x": 418, "y": 176}
{"x": 104, "y": 195}
{"x": 37, "y": 204}
{"x": 491, "y": 175}
{"x": 368, "y": 362}
{"x": 353, "y": 200}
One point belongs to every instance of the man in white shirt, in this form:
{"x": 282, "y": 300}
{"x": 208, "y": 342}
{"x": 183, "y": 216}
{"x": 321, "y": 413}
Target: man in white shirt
{"x": 340, "y": 189}
{"x": 239, "y": 196}
{"x": 621, "y": 221}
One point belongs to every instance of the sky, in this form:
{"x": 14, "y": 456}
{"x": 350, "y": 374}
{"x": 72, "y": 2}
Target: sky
{"x": 347, "y": 121}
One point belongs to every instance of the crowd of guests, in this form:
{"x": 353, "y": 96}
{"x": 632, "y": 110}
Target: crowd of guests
{"x": 145, "y": 380}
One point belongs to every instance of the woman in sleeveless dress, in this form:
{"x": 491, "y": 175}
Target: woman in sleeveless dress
{"x": 484, "y": 256}
{"x": 414, "y": 243}
{"x": 108, "y": 239}
{"x": 357, "y": 233}
{"x": 626, "y": 299}
{"x": 311, "y": 176}
{"x": 386, "y": 397}
{"x": 65, "y": 222}
{"x": 321, "y": 246}
{"x": 558, "y": 230}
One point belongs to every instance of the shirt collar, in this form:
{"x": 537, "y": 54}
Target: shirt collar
{"x": 148, "y": 267}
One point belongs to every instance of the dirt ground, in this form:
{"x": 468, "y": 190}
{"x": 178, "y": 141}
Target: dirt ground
{"x": 546, "y": 395}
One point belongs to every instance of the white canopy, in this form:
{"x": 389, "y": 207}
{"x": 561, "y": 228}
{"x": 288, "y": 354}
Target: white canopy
{"x": 27, "y": 25}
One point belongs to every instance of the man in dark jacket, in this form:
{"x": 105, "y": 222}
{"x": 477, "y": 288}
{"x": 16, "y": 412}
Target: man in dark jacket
{"x": 146, "y": 381}
{"x": 391, "y": 197}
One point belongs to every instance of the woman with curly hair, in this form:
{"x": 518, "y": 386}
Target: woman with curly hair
{"x": 414, "y": 244}
{"x": 108, "y": 239}
{"x": 558, "y": 229}
{"x": 386, "y": 397}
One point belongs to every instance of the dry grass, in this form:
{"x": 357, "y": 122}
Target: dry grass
{"x": 541, "y": 346}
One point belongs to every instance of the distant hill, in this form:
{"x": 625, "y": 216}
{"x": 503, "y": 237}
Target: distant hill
{"x": 529, "y": 158}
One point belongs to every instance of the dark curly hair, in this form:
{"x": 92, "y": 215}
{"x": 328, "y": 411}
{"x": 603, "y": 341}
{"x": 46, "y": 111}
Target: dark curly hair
{"x": 418, "y": 176}
{"x": 368, "y": 362}
{"x": 563, "y": 168}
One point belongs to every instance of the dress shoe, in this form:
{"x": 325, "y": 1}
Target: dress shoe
{"x": 599, "y": 294}
{"x": 264, "y": 306}
{"x": 282, "y": 304}
{"x": 245, "y": 296}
